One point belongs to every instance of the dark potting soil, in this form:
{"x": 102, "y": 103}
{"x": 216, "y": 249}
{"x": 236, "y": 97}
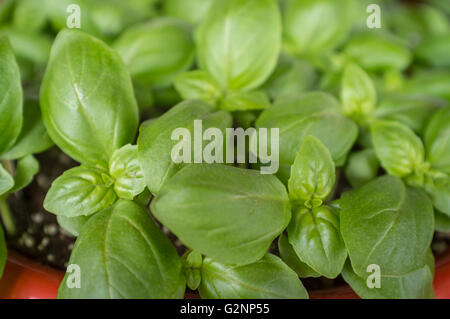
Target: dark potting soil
{"x": 39, "y": 236}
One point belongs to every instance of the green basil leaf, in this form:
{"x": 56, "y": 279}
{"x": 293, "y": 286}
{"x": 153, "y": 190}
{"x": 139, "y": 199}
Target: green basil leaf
{"x": 313, "y": 113}
{"x": 312, "y": 174}
{"x": 439, "y": 190}
{"x": 192, "y": 263}
{"x": 244, "y": 101}
{"x": 229, "y": 42}
{"x": 29, "y": 15}
{"x": 417, "y": 284}
{"x": 437, "y": 140}
{"x": 410, "y": 110}
{"x": 193, "y": 278}
{"x": 144, "y": 198}
{"x": 155, "y": 144}
{"x": 376, "y": 52}
{"x": 6, "y": 9}
{"x": 442, "y": 221}
{"x": 430, "y": 83}
{"x": 10, "y": 96}
{"x": 80, "y": 191}
{"x": 72, "y": 225}
{"x": 123, "y": 254}
{"x": 27, "y": 167}
{"x": 358, "y": 93}
{"x": 87, "y": 99}
{"x": 290, "y": 257}
{"x": 314, "y": 234}
{"x": 399, "y": 150}
{"x": 33, "y": 138}
{"x": 193, "y": 259}
{"x": 290, "y": 76}
{"x": 418, "y": 22}
{"x": 392, "y": 81}
{"x": 31, "y": 47}
{"x": 203, "y": 207}
{"x": 105, "y": 18}
{"x": 192, "y": 11}
{"x": 245, "y": 119}
{"x": 435, "y": 51}
{"x": 166, "y": 97}
{"x": 144, "y": 97}
{"x": 198, "y": 85}
{"x": 156, "y": 52}
{"x": 125, "y": 169}
{"x": 393, "y": 229}
{"x": 316, "y": 26}
{"x": 362, "y": 167}
{"x": 444, "y": 6}
{"x": 268, "y": 278}
{"x": 6, "y": 181}
{"x": 3, "y": 253}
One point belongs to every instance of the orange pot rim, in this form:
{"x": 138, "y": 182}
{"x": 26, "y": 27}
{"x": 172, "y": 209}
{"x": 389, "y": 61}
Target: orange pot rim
{"x": 24, "y": 278}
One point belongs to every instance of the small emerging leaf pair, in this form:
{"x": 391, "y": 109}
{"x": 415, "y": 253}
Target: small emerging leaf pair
{"x": 314, "y": 231}
{"x": 358, "y": 94}
{"x": 84, "y": 190}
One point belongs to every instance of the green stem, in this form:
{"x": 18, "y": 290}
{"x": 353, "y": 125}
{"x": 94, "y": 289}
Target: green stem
{"x": 5, "y": 211}
{"x": 6, "y": 215}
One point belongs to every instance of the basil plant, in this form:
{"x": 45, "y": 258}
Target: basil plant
{"x": 23, "y": 134}
{"x": 423, "y": 165}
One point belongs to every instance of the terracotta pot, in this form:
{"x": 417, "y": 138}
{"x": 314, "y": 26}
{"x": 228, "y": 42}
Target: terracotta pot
{"x": 26, "y": 279}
